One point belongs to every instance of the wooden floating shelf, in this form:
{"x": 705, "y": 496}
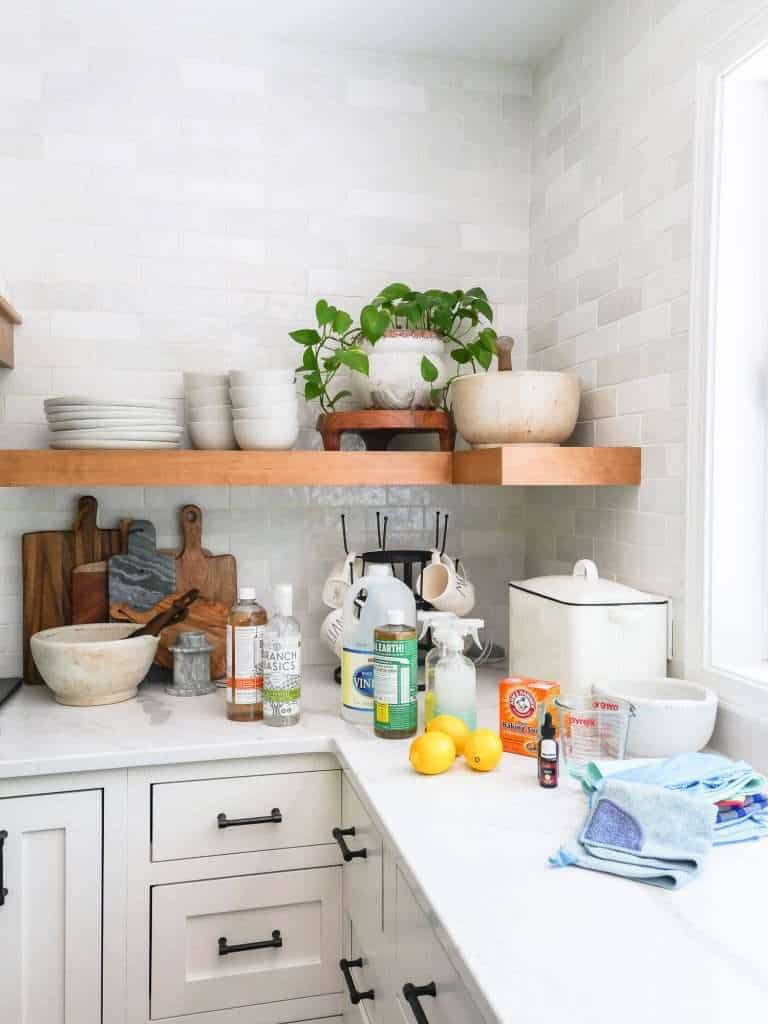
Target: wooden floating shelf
{"x": 9, "y": 319}
{"x": 513, "y": 467}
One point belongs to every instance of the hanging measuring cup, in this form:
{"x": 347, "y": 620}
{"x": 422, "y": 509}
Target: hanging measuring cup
{"x": 592, "y": 729}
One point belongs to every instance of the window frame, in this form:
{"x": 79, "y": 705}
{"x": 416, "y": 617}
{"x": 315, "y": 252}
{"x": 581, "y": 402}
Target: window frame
{"x": 738, "y": 685}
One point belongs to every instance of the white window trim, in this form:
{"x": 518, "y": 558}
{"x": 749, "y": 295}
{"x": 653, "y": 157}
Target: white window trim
{"x": 740, "y": 685}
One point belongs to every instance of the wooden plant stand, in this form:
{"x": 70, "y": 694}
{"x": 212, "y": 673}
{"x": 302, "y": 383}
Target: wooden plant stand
{"x": 377, "y": 427}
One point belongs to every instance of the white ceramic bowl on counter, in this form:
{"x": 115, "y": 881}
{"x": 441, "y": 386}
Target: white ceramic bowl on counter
{"x": 266, "y": 433}
{"x": 94, "y": 664}
{"x": 674, "y": 716}
{"x": 516, "y": 407}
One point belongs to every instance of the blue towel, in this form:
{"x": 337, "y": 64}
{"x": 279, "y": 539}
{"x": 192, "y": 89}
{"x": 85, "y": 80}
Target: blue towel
{"x": 701, "y": 777}
{"x": 642, "y": 832}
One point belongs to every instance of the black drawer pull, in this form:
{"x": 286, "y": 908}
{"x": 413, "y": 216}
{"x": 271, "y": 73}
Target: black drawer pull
{"x": 270, "y": 819}
{"x": 3, "y": 890}
{"x": 355, "y": 997}
{"x": 338, "y": 834}
{"x": 412, "y": 995}
{"x": 274, "y": 943}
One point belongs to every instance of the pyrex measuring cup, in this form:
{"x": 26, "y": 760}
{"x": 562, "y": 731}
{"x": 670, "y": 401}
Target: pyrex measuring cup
{"x": 592, "y": 728}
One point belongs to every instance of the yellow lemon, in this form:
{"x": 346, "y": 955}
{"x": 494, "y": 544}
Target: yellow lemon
{"x": 482, "y": 750}
{"x": 452, "y": 726}
{"x": 432, "y": 753}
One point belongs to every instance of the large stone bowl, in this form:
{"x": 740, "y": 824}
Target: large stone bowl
{"x": 93, "y": 664}
{"x": 516, "y": 407}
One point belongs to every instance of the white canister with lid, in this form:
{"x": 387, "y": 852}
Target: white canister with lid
{"x": 581, "y": 630}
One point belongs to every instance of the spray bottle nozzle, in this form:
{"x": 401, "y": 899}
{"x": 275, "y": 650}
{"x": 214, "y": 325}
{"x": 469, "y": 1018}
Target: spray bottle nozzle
{"x": 432, "y": 620}
{"x": 459, "y": 629}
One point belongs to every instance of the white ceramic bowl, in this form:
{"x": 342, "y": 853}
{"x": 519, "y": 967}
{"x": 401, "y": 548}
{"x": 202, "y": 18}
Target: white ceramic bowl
{"x": 204, "y": 380}
{"x": 207, "y": 396}
{"x": 257, "y": 434}
{"x": 222, "y": 413}
{"x": 267, "y": 410}
{"x": 516, "y": 407}
{"x": 262, "y": 394}
{"x": 257, "y": 378}
{"x": 674, "y": 716}
{"x": 94, "y": 664}
{"x": 212, "y": 435}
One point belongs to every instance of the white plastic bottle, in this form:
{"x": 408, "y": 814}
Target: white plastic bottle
{"x": 282, "y": 662}
{"x": 455, "y": 674}
{"x": 365, "y": 607}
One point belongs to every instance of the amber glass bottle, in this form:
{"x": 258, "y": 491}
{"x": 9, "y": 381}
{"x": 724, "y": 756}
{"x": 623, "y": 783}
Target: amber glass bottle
{"x": 245, "y": 672}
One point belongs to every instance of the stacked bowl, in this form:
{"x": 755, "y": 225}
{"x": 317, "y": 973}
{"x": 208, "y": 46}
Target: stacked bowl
{"x": 264, "y": 408}
{"x": 208, "y": 410}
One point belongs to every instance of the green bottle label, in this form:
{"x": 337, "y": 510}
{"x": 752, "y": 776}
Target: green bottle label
{"x": 395, "y": 667}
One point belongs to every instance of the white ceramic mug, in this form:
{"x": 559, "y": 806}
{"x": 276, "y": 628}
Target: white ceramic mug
{"x": 339, "y": 580}
{"x": 445, "y": 587}
{"x": 332, "y": 630}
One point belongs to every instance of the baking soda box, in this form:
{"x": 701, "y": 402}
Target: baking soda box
{"x": 522, "y": 706}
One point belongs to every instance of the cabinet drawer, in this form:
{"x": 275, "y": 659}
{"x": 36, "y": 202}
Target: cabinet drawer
{"x": 365, "y": 978}
{"x": 362, "y": 876}
{"x": 421, "y": 960}
{"x": 185, "y": 815}
{"x": 191, "y": 973}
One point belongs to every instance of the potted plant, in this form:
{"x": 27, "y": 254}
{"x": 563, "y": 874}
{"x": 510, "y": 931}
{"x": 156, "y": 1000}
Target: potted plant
{"x": 404, "y": 352}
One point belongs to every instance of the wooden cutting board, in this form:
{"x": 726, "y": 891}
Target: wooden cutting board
{"x": 143, "y": 575}
{"x": 48, "y": 558}
{"x": 210, "y": 617}
{"x": 215, "y": 576}
{"x": 90, "y": 588}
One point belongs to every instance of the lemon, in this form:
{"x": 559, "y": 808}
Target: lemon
{"x": 452, "y": 726}
{"x": 482, "y": 750}
{"x": 432, "y": 753}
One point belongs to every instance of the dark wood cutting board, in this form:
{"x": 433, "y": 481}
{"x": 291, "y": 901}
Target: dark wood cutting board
{"x": 143, "y": 575}
{"x": 48, "y": 558}
{"x": 215, "y": 576}
{"x": 90, "y": 587}
{"x": 209, "y": 617}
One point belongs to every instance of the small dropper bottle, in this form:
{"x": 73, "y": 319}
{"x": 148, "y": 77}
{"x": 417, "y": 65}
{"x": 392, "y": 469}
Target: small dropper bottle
{"x": 548, "y": 764}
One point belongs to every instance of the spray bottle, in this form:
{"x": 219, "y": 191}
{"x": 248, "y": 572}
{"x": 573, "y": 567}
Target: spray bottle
{"x": 455, "y": 675}
{"x": 433, "y": 621}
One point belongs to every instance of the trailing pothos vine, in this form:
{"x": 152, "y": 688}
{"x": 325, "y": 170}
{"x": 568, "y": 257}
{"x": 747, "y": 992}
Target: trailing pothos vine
{"x": 461, "y": 318}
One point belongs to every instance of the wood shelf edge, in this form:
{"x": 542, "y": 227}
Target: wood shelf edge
{"x": 521, "y": 467}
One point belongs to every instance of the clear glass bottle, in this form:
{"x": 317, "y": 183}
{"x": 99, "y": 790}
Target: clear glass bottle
{"x": 245, "y": 673}
{"x": 434, "y": 654}
{"x": 456, "y": 678}
{"x": 282, "y": 662}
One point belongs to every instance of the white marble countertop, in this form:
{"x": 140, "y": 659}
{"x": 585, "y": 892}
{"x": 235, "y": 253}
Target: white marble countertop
{"x": 534, "y": 941}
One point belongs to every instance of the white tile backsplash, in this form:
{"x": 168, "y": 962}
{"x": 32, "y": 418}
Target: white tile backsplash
{"x": 178, "y": 199}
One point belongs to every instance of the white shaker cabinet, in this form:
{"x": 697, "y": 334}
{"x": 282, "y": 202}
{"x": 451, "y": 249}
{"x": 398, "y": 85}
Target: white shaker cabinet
{"x": 50, "y": 917}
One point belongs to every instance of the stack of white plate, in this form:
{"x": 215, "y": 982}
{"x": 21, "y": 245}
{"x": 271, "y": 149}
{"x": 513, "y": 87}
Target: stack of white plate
{"x": 78, "y": 422}
{"x": 265, "y": 410}
{"x": 209, "y": 413}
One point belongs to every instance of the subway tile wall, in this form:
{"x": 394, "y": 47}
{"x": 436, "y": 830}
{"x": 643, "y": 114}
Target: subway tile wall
{"x": 614, "y": 117}
{"x": 177, "y": 191}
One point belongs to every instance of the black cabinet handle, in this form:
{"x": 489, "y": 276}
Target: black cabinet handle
{"x": 338, "y": 834}
{"x": 3, "y": 890}
{"x": 270, "y": 819}
{"x": 274, "y": 943}
{"x": 355, "y": 997}
{"x": 412, "y": 995}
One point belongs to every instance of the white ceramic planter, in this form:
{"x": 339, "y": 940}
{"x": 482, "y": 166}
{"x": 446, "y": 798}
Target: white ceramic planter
{"x": 520, "y": 407}
{"x": 394, "y": 380}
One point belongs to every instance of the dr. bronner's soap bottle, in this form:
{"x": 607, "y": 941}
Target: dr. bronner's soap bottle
{"x": 245, "y": 674}
{"x": 395, "y": 666}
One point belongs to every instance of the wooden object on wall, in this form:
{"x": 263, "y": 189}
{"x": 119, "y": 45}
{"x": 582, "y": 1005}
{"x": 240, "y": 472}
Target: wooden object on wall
{"x": 378, "y": 427}
{"x": 90, "y": 587}
{"x": 143, "y": 575}
{"x": 209, "y": 617}
{"x": 9, "y": 319}
{"x": 48, "y": 558}
{"x": 215, "y": 576}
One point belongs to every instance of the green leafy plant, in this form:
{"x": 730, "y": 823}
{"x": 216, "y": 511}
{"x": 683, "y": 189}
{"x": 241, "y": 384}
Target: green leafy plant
{"x": 463, "y": 319}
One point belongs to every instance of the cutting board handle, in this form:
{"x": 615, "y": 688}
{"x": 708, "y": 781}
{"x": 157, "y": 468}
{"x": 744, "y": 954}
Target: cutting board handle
{"x": 192, "y": 530}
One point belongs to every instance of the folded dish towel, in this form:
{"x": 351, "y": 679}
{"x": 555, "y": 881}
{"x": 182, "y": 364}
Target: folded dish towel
{"x": 646, "y": 833}
{"x": 704, "y": 777}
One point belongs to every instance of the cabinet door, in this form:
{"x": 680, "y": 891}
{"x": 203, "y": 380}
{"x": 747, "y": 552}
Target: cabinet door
{"x": 362, "y": 876}
{"x": 50, "y": 920}
{"x": 421, "y": 961}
